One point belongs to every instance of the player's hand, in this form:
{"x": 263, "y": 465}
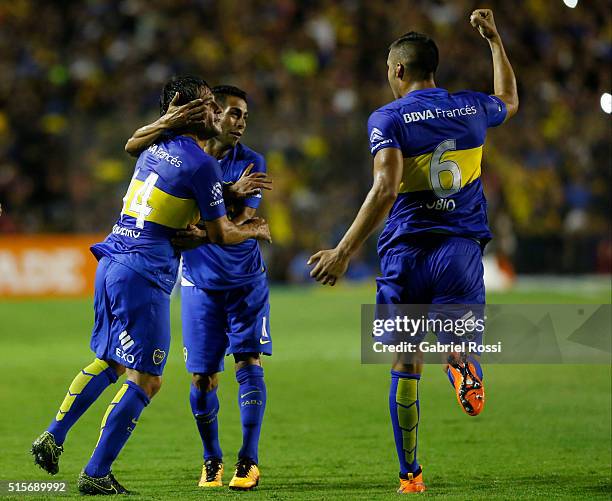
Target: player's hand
{"x": 482, "y": 20}
{"x": 263, "y": 230}
{"x": 249, "y": 184}
{"x": 330, "y": 265}
{"x": 184, "y": 115}
{"x": 190, "y": 238}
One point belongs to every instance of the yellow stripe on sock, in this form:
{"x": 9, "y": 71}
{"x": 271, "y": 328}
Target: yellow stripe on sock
{"x": 120, "y": 394}
{"x": 78, "y": 385}
{"x": 406, "y": 393}
{"x": 110, "y": 407}
{"x": 96, "y": 367}
{"x": 408, "y": 416}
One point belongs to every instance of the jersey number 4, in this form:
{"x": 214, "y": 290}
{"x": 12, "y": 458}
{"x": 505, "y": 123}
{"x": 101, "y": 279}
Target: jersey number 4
{"x": 437, "y": 166}
{"x": 140, "y": 198}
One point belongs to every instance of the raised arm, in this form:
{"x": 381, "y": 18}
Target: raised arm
{"x": 504, "y": 81}
{"x": 332, "y": 264}
{"x": 176, "y": 117}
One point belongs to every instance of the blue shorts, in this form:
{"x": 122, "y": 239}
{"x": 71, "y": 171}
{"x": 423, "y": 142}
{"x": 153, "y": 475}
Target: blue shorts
{"x": 132, "y": 319}
{"x": 222, "y": 322}
{"x": 434, "y": 270}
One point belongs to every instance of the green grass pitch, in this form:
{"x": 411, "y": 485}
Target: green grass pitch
{"x": 545, "y": 433}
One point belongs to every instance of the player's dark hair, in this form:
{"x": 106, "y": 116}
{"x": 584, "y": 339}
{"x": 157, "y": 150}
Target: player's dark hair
{"x": 189, "y": 88}
{"x": 418, "y": 53}
{"x": 223, "y": 91}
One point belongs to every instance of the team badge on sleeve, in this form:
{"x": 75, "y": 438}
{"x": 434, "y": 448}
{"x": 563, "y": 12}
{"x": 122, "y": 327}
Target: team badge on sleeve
{"x": 158, "y": 356}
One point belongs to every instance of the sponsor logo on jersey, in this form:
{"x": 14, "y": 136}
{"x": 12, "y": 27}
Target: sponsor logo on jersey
{"x": 417, "y": 116}
{"x": 377, "y": 139}
{"x": 217, "y": 193}
{"x": 162, "y": 154}
{"x": 376, "y": 136}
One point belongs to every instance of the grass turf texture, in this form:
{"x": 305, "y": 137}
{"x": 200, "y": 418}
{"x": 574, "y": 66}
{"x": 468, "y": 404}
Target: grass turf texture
{"x": 545, "y": 433}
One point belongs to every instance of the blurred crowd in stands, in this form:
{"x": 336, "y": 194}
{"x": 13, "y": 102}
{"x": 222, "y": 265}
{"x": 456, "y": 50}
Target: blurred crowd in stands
{"x": 79, "y": 76}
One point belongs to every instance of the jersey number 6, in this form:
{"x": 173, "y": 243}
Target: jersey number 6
{"x": 437, "y": 167}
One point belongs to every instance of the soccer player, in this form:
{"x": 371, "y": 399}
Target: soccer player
{"x": 225, "y": 306}
{"x": 427, "y": 147}
{"x": 175, "y": 183}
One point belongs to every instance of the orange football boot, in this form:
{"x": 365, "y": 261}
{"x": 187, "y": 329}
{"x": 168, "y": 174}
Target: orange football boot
{"x": 412, "y": 483}
{"x": 468, "y": 386}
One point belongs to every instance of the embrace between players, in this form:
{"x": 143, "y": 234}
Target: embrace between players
{"x": 195, "y": 192}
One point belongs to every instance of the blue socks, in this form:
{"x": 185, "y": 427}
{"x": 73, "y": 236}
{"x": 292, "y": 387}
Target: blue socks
{"x": 404, "y": 408}
{"x": 117, "y": 425}
{"x": 205, "y": 406}
{"x": 252, "y": 403}
{"x": 84, "y": 390}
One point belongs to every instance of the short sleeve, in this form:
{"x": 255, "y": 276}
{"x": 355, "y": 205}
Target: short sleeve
{"x": 382, "y": 131}
{"x": 259, "y": 165}
{"x": 208, "y": 190}
{"x": 494, "y": 108}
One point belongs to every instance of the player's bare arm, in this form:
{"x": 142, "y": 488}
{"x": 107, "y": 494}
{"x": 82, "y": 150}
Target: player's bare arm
{"x": 504, "y": 81}
{"x": 222, "y": 231}
{"x": 331, "y": 264}
{"x": 175, "y": 118}
{"x": 248, "y": 185}
{"x": 245, "y": 215}
{"x": 196, "y": 235}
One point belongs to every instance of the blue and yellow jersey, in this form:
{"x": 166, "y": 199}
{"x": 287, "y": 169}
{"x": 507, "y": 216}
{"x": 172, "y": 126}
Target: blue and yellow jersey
{"x": 225, "y": 266}
{"x": 441, "y": 136}
{"x": 175, "y": 183}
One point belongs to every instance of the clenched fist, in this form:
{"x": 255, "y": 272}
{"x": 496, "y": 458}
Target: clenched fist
{"x": 482, "y": 20}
